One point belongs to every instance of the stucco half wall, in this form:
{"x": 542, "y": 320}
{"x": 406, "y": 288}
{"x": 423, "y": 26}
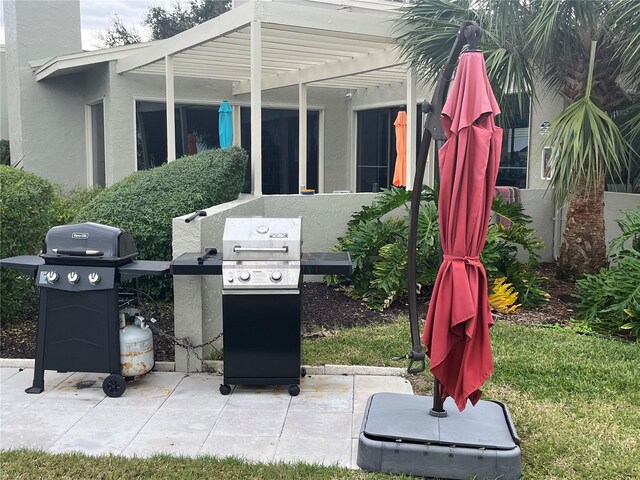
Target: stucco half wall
{"x": 198, "y": 300}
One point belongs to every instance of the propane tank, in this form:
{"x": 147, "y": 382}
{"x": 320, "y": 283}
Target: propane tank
{"x": 136, "y": 348}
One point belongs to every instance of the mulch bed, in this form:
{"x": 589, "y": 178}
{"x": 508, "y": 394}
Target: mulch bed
{"x": 324, "y": 309}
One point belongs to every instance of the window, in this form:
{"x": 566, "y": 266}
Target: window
{"x": 98, "y": 176}
{"x": 196, "y": 130}
{"x": 376, "y": 147}
{"x": 280, "y": 149}
{"x": 515, "y": 142}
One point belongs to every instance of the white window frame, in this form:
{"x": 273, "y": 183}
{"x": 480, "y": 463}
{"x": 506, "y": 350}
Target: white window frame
{"x": 88, "y": 132}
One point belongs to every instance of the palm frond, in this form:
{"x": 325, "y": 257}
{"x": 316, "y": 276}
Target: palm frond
{"x": 588, "y": 144}
{"x": 625, "y": 16}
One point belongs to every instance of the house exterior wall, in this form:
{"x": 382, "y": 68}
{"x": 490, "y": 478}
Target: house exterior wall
{"x": 4, "y": 113}
{"x": 546, "y": 107}
{"x": 46, "y": 120}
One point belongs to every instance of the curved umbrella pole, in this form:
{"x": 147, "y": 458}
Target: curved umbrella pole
{"x": 469, "y": 33}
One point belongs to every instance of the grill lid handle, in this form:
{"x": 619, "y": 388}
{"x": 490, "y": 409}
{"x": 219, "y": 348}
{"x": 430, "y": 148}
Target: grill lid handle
{"x": 78, "y": 253}
{"x": 238, "y": 248}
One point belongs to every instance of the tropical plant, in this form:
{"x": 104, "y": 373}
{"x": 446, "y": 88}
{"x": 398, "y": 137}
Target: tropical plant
{"x": 376, "y": 240}
{"x": 610, "y": 300}
{"x": 551, "y": 41}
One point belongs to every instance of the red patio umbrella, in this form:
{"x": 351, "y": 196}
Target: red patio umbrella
{"x": 456, "y": 334}
{"x": 400, "y": 170}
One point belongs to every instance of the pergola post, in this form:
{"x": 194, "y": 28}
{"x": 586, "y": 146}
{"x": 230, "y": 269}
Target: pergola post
{"x": 411, "y": 126}
{"x": 302, "y": 135}
{"x": 256, "y": 108}
{"x": 171, "y": 109}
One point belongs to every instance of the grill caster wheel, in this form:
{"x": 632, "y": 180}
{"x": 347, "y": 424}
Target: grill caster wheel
{"x": 303, "y": 372}
{"x": 294, "y": 390}
{"x": 225, "y": 389}
{"x": 114, "y": 386}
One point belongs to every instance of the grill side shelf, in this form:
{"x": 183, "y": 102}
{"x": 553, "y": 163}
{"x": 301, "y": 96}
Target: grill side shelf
{"x": 27, "y": 264}
{"x": 187, "y": 264}
{"x": 138, "y": 268}
{"x": 326, "y": 263}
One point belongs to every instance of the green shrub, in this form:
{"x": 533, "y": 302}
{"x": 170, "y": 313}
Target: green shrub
{"x": 610, "y": 300}
{"x": 377, "y": 243}
{"x": 5, "y": 153}
{"x": 24, "y": 220}
{"x": 65, "y": 206}
{"x": 145, "y": 202}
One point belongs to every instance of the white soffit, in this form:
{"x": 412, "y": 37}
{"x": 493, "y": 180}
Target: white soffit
{"x": 324, "y": 47}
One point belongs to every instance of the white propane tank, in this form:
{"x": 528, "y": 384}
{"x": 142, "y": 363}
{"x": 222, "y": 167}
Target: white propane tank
{"x": 136, "y": 349}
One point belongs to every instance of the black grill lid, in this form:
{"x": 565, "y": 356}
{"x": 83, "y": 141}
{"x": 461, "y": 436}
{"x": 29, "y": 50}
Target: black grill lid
{"x": 88, "y": 243}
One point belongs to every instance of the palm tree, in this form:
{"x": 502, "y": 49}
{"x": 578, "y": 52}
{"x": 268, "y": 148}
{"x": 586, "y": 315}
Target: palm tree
{"x": 530, "y": 44}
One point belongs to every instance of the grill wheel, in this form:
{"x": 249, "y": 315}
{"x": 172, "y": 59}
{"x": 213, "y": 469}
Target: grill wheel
{"x": 114, "y": 386}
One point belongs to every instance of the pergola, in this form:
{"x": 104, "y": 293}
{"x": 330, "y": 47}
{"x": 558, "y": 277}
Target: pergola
{"x": 262, "y": 45}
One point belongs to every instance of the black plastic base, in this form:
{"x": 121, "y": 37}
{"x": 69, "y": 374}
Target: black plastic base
{"x": 399, "y": 436}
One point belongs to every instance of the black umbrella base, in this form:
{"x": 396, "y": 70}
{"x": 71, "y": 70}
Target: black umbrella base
{"x": 398, "y": 435}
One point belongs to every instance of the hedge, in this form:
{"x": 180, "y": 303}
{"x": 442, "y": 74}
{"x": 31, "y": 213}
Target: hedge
{"x": 24, "y": 220}
{"x": 145, "y": 202}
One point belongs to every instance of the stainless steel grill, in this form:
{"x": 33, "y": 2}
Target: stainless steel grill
{"x": 262, "y": 265}
{"x": 261, "y": 253}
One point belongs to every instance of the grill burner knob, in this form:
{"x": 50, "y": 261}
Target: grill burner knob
{"x": 73, "y": 278}
{"x": 230, "y": 279}
{"x": 244, "y": 276}
{"x": 52, "y": 277}
{"x": 94, "y": 278}
{"x": 276, "y": 276}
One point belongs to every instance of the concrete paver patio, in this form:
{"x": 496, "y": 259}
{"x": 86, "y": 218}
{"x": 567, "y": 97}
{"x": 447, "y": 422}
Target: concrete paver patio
{"x": 182, "y": 414}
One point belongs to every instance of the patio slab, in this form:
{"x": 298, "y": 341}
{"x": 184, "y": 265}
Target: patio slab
{"x": 178, "y": 414}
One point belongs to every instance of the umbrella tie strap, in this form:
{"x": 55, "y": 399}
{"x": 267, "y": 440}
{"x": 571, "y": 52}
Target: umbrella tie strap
{"x": 475, "y": 261}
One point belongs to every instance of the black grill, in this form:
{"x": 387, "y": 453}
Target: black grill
{"x": 88, "y": 244}
{"x": 79, "y": 275}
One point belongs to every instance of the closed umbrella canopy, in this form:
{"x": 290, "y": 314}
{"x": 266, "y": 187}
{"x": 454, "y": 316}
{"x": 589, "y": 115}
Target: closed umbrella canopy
{"x": 225, "y": 125}
{"x": 456, "y": 333}
{"x": 400, "y": 171}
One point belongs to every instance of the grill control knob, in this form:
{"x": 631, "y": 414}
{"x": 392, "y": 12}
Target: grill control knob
{"x": 73, "y": 278}
{"x": 244, "y": 276}
{"x": 94, "y": 278}
{"x": 230, "y": 279}
{"x": 276, "y": 276}
{"x": 52, "y": 277}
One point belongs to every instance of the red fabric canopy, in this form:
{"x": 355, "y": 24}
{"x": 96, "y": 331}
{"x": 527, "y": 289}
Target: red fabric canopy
{"x": 400, "y": 171}
{"x": 456, "y": 334}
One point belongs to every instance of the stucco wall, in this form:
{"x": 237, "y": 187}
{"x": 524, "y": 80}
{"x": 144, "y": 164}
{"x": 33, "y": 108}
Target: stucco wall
{"x": 613, "y": 203}
{"x": 4, "y": 114}
{"x": 47, "y": 133}
{"x": 546, "y": 108}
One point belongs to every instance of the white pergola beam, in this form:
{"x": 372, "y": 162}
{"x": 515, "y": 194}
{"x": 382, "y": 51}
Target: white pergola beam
{"x": 230, "y": 21}
{"x": 256, "y": 108}
{"x": 281, "y": 13}
{"x": 171, "y": 109}
{"x": 327, "y": 71}
{"x": 411, "y": 128}
{"x": 302, "y": 135}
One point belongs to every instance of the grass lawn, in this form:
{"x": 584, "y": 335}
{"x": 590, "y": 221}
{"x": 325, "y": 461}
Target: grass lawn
{"x": 575, "y": 401}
